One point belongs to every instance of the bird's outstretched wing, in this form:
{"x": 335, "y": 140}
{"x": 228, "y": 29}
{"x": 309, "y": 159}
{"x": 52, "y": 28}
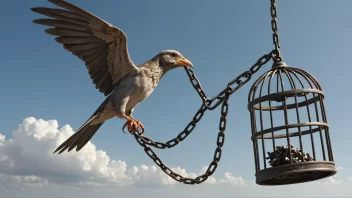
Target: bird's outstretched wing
{"x": 102, "y": 46}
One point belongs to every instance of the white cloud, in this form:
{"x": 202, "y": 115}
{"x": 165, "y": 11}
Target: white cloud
{"x": 231, "y": 179}
{"x": 27, "y": 159}
{"x": 10, "y": 181}
{"x": 2, "y": 139}
{"x": 30, "y": 153}
{"x": 339, "y": 168}
{"x": 153, "y": 176}
{"x": 330, "y": 181}
{"x": 147, "y": 176}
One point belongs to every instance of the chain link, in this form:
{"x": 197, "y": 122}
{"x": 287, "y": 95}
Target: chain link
{"x": 212, "y": 103}
{"x": 180, "y": 137}
{"x": 274, "y": 27}
{"x": 143, "y": 141}
{"x": 196, "y": 84}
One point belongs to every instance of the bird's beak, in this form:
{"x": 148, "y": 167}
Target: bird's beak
{"x": 183, "y": 62}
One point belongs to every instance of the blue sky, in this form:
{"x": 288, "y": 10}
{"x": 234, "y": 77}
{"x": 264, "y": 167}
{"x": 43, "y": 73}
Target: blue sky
{"x": 222, "y": 39}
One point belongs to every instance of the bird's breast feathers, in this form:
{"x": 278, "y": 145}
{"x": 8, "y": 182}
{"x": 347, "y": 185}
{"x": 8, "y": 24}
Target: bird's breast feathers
{"x": 149, "y": 78}
{"x": 145, "y": 82}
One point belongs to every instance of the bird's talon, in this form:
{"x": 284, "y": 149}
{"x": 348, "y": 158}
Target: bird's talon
{"x": 123, "y": 127}
{"x": 133, "y": 126}
{"x": 130, "y": 125}
{"x": 140, "y": 126}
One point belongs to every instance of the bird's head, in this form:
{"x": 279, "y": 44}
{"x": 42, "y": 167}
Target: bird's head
{"x": 170, "y": 59}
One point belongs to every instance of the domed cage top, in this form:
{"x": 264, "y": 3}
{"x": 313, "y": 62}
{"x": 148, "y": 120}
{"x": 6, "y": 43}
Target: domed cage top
{"x": 290, "y": 133}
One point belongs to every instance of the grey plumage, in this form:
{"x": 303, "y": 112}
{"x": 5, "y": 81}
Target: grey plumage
{"x": 103, "y": 48}
{"x": 74, "y": 25}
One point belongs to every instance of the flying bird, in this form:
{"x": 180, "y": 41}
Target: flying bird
{"x": 103, "y": 48}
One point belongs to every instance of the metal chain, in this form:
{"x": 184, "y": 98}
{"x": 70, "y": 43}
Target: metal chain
{"x": 212, "y": 166}
{"x": 211, "y": 104}
{"x": 223, "y": 98}
{"x": 274, "y": 27}
{"x": 239, "y": 82}
{"x": 181, "y": 136}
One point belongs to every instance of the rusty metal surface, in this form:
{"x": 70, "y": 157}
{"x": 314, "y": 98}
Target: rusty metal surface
{"x": 285, "y": 94}
{"x": 288, "y": 106}
{"x": 295, "y": 173}
{"x": 274, "y": 27}
{"x": 259, "y": 134}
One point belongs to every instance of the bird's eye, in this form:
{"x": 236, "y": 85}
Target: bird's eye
{"x": 173, "y": 55}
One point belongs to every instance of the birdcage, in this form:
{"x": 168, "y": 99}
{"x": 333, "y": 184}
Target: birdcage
{"x": 290, "y": 132}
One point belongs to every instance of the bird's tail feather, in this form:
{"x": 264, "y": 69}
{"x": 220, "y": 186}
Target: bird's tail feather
{"x": 84, "y": 133}
{"x": 81, "y": 137}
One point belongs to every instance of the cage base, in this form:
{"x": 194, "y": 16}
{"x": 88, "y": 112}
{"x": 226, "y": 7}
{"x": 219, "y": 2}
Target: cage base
{"x": 295, "y": 173}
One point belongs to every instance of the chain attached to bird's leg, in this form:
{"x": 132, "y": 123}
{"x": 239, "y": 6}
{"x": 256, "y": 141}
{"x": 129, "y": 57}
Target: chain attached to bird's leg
{"x": 221, "y": 98}
{"x": 207, "y": 102}
{"x": 133, "y": 126}
{"x": 217, "y": 154}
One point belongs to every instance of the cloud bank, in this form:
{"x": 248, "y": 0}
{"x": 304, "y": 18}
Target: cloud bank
{"x": 27, "y": 160}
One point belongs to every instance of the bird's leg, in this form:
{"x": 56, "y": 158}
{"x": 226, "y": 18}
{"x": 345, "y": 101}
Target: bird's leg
{"x": 132, "y": 125}
{"x": 139, "y": 125}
